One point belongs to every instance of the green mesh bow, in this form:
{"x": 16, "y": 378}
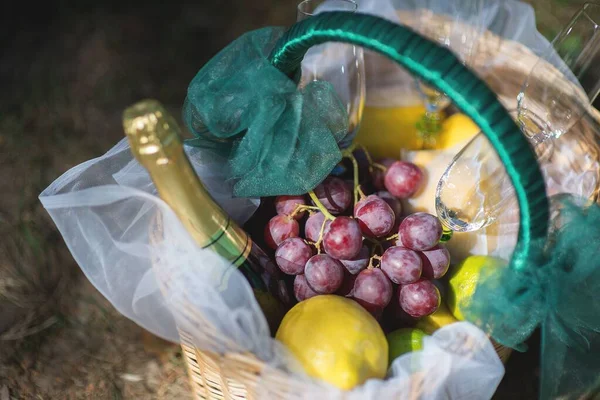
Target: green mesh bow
{"x": 561, "y": 293}
{"x": 279, "y": 139}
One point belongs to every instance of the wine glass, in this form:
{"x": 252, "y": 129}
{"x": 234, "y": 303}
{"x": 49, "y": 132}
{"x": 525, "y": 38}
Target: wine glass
{"x": 558, "y": 91}
{"x": 564, "y": 83}
{"x": 474, "y": 187}
{"x": 461, "y": 36}
{"x": 340, "y": 64}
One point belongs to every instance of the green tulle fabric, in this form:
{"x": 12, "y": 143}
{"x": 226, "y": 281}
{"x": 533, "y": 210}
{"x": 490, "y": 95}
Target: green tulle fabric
{"x": 279, "y": 139}
{"x": 559, "y": 293}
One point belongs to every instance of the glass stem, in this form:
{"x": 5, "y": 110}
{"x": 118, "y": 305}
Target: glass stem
{"x": 428, "y": 128}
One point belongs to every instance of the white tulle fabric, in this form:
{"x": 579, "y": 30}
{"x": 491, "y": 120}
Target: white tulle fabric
{"x": 132, "y": 247}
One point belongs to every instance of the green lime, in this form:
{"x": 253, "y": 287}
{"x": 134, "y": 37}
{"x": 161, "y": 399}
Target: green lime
{"x": 403, "y": 341}
{"x": 463, "y": 280}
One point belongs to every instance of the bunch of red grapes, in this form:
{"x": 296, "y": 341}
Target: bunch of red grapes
{"x": 369, "y": 252}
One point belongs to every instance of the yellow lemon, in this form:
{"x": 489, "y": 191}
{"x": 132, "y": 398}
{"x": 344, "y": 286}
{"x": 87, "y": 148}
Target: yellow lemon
{"x": 336, "y": 340}
{"x": 403, "y": 341}
{"x": 384, "y": 131}
{"x": 435, "y": 321}
{"x": 456, "y": 129}
{"x": 463, "y": 281}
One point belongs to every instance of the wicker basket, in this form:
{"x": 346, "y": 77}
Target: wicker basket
{"x": 236, "y": 375}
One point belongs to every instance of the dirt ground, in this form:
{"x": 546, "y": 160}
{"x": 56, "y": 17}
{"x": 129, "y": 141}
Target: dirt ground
{"x": 66, "y": 72}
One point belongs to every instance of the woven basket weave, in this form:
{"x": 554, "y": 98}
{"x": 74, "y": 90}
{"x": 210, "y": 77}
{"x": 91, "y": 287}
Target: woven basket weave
{"x": 236, "y": 375}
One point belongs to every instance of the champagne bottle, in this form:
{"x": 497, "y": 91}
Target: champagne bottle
{"x": 155, "y": 140}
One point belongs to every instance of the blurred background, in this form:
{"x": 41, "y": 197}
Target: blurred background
{"x": 67, "y": 70}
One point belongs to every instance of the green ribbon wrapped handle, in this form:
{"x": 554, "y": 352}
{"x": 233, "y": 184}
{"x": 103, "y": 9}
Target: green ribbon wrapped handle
{"x": 440, "y": 68}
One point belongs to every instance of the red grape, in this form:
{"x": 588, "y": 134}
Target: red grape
{"x": 373, "y": 288}
{"x": 436, "y": 262}
{"x": 401, "y": 265}
{"x": 312, "y": 228}
{"x": 375, "y": 216}
{"x": 394, "y": 203}
{"x": 292, "y": 255}
{"x": 359, "y": 262}
{"x": 279, "y": 228}
{"x": 324, "y": 274}
{"x": 347, "y": 285}
{"x": 301, "y": 289}
{"x": 378, "y": 175}
{"x": 335, "y": 195}
{"x": 285, "y": 205}
{"x": 342, "y": 239}
{"x": 394, "y": 316}
{"x": 420, "y": 231}
{"x": 403, "y": 179}
{"x": 419, "y": 299}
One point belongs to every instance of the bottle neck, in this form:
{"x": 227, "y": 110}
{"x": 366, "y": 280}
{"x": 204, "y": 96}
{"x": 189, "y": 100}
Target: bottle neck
{"x": 156, "y": 145}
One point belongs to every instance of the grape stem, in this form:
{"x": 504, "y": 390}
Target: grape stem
{"x": 373, "y": 257}
{"x": 380, "y": 166}
{"x": 320, "y": 205}
{"x": 360, "y": 192}
{"x": 376, "y": 246}
{"x": 394, "y": 236}
{"x": 367, "y": 154}
{"x": 318, "y": 244}
{"x": 302, "y": 207}
{"x": 347, "y": 153}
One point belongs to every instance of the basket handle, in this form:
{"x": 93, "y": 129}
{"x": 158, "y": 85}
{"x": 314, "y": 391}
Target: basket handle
{"x": 440, "y": 68}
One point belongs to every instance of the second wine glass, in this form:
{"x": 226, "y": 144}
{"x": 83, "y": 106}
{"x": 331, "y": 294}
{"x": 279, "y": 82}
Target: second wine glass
{"x": 558, "y": 91}
{"x": 564, "y": 84}
{"x": 340, "y": 64}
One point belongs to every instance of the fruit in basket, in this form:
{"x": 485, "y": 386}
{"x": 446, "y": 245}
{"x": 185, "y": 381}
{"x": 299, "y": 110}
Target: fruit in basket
{"x": 373, "y": 288}
{"x": 324, "y": 274}
{"x": 401, "y": 265}
{"x": 334, "y": 194}
{"x": 280, "y": 228}
{"x": 292, "y": 255}
{"x": 336, "y": 340}
{"x": 286, "y": 205}
{"x": 436, "y": 262}
{"x": 463, "y": 279}
{"x": 403, "y": 179}
{"x": 457, "y": 129}
{"x": 301, "y": 289}
{"x": 441, "y": 317}
{"x": 420, "y": 231}
{"x": 394, "y": 203}
{"x": 419, "y": 299}
{"x": 343, "y": 239}
{"x": 359, "y": 262}
{"x": 385, "y": 130}
{"x": 404, "y": 340}
{"x": 355, "y": 253}
{"x": 312, "y": 227}
{"x": 378, "y": 174}
{"x": 375, "y": 217}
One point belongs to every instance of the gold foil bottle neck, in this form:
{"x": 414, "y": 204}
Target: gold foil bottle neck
{"x": 150, "y": 128}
